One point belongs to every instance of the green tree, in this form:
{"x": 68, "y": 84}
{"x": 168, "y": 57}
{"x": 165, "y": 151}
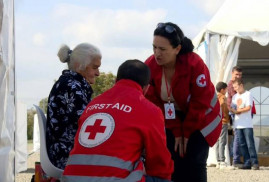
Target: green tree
{"x": 30, "y": 123}
{"x": 43, "y": 104}
{"x": 103, "y": 82}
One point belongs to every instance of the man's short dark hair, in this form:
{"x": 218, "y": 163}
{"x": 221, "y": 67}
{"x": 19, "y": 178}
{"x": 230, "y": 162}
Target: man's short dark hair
{"x": 220, "y": 85}
{"x": 134, "y": 70}
{"x": 237, "y": 68}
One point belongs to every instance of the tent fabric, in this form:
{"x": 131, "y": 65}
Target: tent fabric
{"x": 36, "y": 135}
{"x": 224, "y": 58}
{"x": 220, "y": 53}
{"x": 21, "y": 138}
{"x": 241, "y": 18}
{"x": 7, "y": 90}
{"x": 218, "y": 43}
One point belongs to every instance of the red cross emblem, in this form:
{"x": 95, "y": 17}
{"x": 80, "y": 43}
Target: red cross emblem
{"x": 96, "y": 128}
{"x": 201, "y": 81}
{"x": 170, "y": 112}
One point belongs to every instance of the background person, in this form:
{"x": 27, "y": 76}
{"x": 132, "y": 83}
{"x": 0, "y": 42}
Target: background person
{"x": 236, "y": 74}
{"x": 243, "y": 124}
{"x": 180, "y": 85}
{"x": 116, "y": 128}
{"x": 69, "y": 97}
{"x": 221, "y": 88}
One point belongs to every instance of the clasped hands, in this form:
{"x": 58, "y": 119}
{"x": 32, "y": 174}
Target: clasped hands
{"x": 235, "y": 111}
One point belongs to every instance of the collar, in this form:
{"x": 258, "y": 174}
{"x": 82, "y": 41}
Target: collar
{"x": 129, "y": 83}
{"x": 73, "y": 74}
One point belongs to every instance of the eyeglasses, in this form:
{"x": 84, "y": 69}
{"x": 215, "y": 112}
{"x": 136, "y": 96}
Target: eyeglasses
{"x": 167, "y": 28}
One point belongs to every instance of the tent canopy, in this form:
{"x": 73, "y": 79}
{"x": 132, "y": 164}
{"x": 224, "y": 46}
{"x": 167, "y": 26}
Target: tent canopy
{"x": 235, "y": 22}
{"x": 246, "y": 19}
{"x": 238, "y": 34}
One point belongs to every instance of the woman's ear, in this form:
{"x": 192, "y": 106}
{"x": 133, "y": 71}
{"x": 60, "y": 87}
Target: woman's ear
{"x": 178, "y": 48}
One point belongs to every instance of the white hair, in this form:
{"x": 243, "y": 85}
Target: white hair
{"x": 82, "y": 55}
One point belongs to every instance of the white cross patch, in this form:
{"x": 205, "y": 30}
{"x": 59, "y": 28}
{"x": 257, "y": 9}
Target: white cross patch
{"x": 96, "y": 129}
{"x": 201, "y": 81}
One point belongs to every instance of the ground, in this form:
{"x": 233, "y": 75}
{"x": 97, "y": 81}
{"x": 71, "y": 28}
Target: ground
{"x": 213, "y": 174}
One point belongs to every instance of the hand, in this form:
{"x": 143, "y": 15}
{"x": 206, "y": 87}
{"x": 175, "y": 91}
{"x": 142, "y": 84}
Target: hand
{"x": 233, "y": 110}
{"x": 236, "y": 111}
{"x": 181, "y": 144}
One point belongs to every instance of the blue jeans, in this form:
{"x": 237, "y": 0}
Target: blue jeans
{"x": 247, "y": 146}
{"x": 236, "y": 149}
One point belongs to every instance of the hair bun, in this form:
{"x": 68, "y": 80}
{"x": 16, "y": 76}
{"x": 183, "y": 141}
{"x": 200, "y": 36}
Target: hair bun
{"x": 64, "y": 53}
{"x": 187, "y": 45}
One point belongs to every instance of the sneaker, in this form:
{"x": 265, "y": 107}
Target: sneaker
{"x": 245, "y": 167}
{"x": 255, "y": 167}
{"x": 231, "y": 167}
{"x": 218, "y": 165}
{"x": 223, "y": 165}
{"x": 238, "y": 165}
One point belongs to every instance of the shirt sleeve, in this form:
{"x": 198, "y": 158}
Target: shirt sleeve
{"x": 223, "y": 104}
{"x": 249, "y": 100}
{"x": 203, "y": 99}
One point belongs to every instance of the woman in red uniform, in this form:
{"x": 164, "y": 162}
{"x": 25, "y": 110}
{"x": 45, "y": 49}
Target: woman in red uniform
{"x": 181, "y": 86}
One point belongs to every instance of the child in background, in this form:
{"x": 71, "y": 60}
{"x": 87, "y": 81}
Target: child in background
{"x": 221, "y": 88}
{"x": 243, "y": 125}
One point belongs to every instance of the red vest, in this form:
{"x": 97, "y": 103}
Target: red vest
{"x": 194, "y": 94}
{"x": 115, "y": 130}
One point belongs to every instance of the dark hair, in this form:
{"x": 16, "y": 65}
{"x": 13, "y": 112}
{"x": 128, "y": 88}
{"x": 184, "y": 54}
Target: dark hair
{"x": 220, "y": 85}
{"x": 239, "y": 81}
{"x": 175, "y": 37}
{"x": 237, "y": 68}
{"x": 134, "y": 70}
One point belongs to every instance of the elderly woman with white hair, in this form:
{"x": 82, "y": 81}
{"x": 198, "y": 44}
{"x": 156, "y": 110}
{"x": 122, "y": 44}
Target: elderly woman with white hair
{"x": 69, "y": 97}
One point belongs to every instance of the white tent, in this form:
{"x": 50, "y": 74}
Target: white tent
{"x": 8, "y": 110}
{"x": 219, "y": 41}
{"x": 238, "y": 34}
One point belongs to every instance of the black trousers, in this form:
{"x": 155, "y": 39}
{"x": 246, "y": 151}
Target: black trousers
{"x": 191, "y": 168}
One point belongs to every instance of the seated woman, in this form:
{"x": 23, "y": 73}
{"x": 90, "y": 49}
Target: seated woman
{"x": 69, "y": 97}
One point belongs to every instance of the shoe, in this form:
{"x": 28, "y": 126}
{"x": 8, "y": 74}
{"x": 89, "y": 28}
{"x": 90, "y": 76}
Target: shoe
{"x": 255, "y": 167}
{"x": 218, "y": 165}
{"x": 245, "y": 167}
{"x": 211, "y": 165}
{"x": 238, "y": 165}
{"x": 223, "y": 165}
{"x": 231, "y": 167}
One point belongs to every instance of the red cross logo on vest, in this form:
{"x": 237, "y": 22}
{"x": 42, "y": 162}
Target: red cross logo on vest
{"x": 96, "y": 129}
{"x": 201, "y": 80}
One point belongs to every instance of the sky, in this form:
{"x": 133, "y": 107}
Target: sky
{"x": 121, "y": 29}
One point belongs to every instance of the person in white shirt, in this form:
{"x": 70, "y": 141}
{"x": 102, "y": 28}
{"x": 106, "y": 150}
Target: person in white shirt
{"x": 243, "y": 124}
